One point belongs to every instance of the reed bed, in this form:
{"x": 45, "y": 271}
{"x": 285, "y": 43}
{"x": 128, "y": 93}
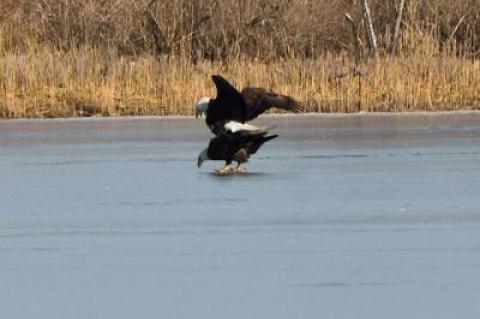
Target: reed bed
{"x": 86, "y": 82}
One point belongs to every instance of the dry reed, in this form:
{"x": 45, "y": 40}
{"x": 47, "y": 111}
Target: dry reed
{"x": 85, "y": 82}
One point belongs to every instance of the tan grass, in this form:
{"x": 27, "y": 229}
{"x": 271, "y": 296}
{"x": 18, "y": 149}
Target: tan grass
{"x": 86, "y": 82}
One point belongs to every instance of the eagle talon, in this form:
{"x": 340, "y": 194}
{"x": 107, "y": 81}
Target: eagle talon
{"x": 239, "y": 170}
{"x": 224, "y": 170}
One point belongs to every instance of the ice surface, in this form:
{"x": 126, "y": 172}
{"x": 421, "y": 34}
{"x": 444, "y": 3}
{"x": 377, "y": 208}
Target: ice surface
{"x": 366, "y": 216}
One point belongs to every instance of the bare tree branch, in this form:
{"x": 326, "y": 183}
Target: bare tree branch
{"x": 356, "y": 39}
{"x": 398, "y": 23}
{"x": 372, "y": 39}
{"x": 457, "y": 26}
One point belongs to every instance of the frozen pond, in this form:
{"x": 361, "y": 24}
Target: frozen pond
{"x": 371, "y": 216}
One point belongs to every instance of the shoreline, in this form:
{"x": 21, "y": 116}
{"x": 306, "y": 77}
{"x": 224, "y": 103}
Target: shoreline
{"x": 266, "y": 116}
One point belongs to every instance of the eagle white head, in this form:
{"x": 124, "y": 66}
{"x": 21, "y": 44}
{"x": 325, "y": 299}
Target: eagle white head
{"x": 202, "y": 105}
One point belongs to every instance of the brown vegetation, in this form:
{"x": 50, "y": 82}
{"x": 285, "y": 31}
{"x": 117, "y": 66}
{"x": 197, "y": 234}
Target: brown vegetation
{"x": 134, "y": 57}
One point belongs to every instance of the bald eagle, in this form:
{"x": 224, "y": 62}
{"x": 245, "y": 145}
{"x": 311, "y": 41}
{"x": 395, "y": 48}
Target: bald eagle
{"x": 231, "y": 105}
{"x": 235, "y": 142}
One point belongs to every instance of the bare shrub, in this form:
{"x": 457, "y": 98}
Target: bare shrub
{"x": 224, "y": 29}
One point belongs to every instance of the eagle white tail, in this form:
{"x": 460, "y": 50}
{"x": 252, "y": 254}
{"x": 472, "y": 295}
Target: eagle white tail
{"x": 234, "y": 127}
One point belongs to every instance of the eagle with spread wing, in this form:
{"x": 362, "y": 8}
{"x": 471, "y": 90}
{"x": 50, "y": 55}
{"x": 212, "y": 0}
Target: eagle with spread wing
{"x": 232, "y": 105}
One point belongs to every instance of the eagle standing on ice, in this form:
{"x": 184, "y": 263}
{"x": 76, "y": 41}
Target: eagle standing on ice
{"x": 235, "y": 142}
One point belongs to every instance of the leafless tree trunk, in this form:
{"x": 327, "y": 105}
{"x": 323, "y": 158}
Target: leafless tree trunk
{"x": 356, "y": 39}
{"x": 398, "y": 23}
{"x": 372, "y": 39}
{"x": 159, "y": 41}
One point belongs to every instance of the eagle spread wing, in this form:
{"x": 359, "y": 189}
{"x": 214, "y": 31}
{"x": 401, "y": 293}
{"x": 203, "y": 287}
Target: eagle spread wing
{"x": 259, "y": 100}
